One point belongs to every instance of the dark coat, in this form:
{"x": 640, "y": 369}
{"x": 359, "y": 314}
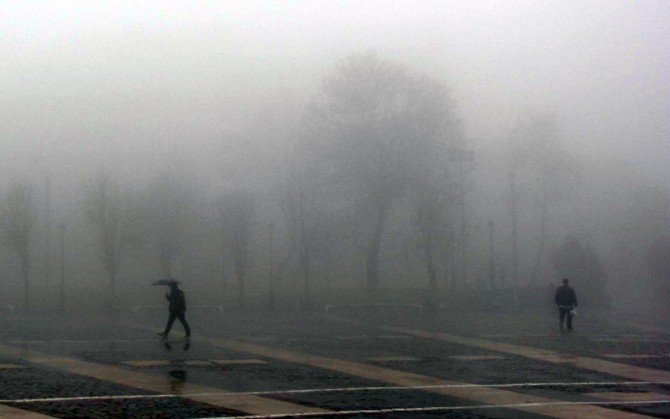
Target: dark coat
{"x": 177, "y": 300}
{"x": 565, "y": 296}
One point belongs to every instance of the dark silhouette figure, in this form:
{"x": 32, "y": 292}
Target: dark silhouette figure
{"x": 177, "y": 309}
{"x": 566, "y": 299}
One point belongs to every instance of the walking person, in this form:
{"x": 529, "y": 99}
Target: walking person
{"x": 566, "y": 300}
{"x": 177, "y": 309}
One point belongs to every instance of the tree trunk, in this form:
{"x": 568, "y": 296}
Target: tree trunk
{"x": 26, "y": 281}
{"x": 452, "y": 268}
{"x": 431, "y": 300}
{"x": 306, "y": 294}
{"x": 47, "y": 232}
{"x": 464, "y": 225}
{"x": 492, "y": 269}
{"x": 430, "y": 265}
{"x": 240, "y": 257}
{"x": 112, "y": 291}
{"x": 224, "y": 277}
{"x": 543, "y": 238}
{"x": 26, "y": 294}
{"x": 305, "y": 252}
{"x": 447, "y": 274}
{"x": 372, "y": 256}
{"x": 241, "y": 294}
{"x": 61, "y": 299}
{"x": 515, "y": 242}
{"x": 271, "y": 270}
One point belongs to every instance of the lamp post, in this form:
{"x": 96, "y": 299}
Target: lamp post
{"x": 271, "y": 298}
{"x": 515, "y": 243}
{"x": 47, "y": 230}
{"x": 464, "y": 159}
{"x": 492, "y": 271}
{"x": 61, "y": 303}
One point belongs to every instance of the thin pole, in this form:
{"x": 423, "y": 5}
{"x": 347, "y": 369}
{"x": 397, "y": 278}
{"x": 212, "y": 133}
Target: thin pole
{"x": 61, "y": 305}
{"x": 515, "y": 244}
{"x": 47, "y": 230}
{"x": 223, "y": 267}
{"x": 271, "y": 300}
{"x": 463, "y": 223}
{"x": 492, "y": 272}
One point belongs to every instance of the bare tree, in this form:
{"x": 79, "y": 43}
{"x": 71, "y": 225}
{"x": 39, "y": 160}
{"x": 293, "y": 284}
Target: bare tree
{"x": 237, "y": 212}
{"x": 104, "y": 209}
{"x": 658, "y": 264}
{"x": 312, "y": 222}
{"x": 298, "y": 197}
{"x": 18, "y": 218}
{"x": 431, "y": 126}
{"x": 378, "y": 123}
{"x": 165, "y": 219}
{"x": 47, "y": 229}
{"x": 577, "y": 261}
{"x": 297, "y": 205}
{"x": 539, "y": 154}
{"x": 432, "y": 206}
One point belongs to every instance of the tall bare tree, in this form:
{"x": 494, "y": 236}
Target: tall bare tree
{"x": 297, "y": 203}
{"x": 658, "y": 264}
{"x": 312, "y": 221}
{"x": 165, "y": 218}
{"x": 433, "y": 206}
{"x": 18, "y": 219}
{"x": 237, "y": 212}
{"x": 431, "y": 126}
{"x": 47, "y": 229}
{"x": 577, "y": 261}
{"x": 379, "y": 123}
{"x": 104, "y": 209}
{"x": 539, "y": 154}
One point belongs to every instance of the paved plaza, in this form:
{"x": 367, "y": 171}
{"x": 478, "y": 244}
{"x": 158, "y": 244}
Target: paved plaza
{"x": 342, "y": 362}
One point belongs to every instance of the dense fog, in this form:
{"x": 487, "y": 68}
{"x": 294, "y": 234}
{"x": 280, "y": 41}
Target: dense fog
{"x": 287, "y": 155}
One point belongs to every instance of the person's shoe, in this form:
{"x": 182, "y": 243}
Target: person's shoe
{"x": 163, "y": 335}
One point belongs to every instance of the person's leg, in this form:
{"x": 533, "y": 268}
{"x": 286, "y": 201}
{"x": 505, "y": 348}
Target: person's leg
{"x": 561, "y": 316}
{"x": 569, "y": 314}
{"x": 182, "y": 318}
{"x": 168, "y": 326}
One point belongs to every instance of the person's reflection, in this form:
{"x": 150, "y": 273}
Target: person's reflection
{"x": 177, "y": 375}
{"x": 168, "y": 346}
{"x": 177, "y": 379}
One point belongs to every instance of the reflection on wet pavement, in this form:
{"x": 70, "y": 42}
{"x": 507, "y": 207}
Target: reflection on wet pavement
{"x": 177, "y": 378}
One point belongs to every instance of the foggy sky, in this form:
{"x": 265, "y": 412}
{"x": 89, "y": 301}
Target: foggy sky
{"x": 81, "y": 80}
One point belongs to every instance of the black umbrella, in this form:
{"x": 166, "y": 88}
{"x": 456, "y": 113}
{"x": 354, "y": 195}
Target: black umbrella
{"x": 166, "y": 282}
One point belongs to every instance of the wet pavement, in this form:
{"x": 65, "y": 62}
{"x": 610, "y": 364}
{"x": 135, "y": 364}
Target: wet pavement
{"x": 353, "y": 364}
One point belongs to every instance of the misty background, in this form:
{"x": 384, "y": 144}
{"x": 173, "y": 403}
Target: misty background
{"x": 293, "y": 154}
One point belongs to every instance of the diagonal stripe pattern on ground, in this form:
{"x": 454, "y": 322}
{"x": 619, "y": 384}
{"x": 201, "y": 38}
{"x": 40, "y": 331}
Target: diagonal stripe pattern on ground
{"x": 625, "y": 397}
{"x": 484, "y": 395}
{"x": 587, "y": 363}
{"x": 238, "y": 402}
{"x": 9, "y": 412}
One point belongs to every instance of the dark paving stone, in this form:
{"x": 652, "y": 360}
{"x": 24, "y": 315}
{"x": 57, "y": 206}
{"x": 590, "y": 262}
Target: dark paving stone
{"x": 144, "y": 408}
{"x": 113, "y": 341}
{"x": 29, "y": 383}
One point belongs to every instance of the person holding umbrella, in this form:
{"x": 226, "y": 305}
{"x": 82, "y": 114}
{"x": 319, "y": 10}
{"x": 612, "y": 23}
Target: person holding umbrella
{"x": 177, "y": 307}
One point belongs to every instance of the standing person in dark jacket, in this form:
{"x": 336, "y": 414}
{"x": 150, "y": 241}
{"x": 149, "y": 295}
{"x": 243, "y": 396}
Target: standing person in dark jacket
{"x": 177, "y": 309}
{"x": 566, "y": 299}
